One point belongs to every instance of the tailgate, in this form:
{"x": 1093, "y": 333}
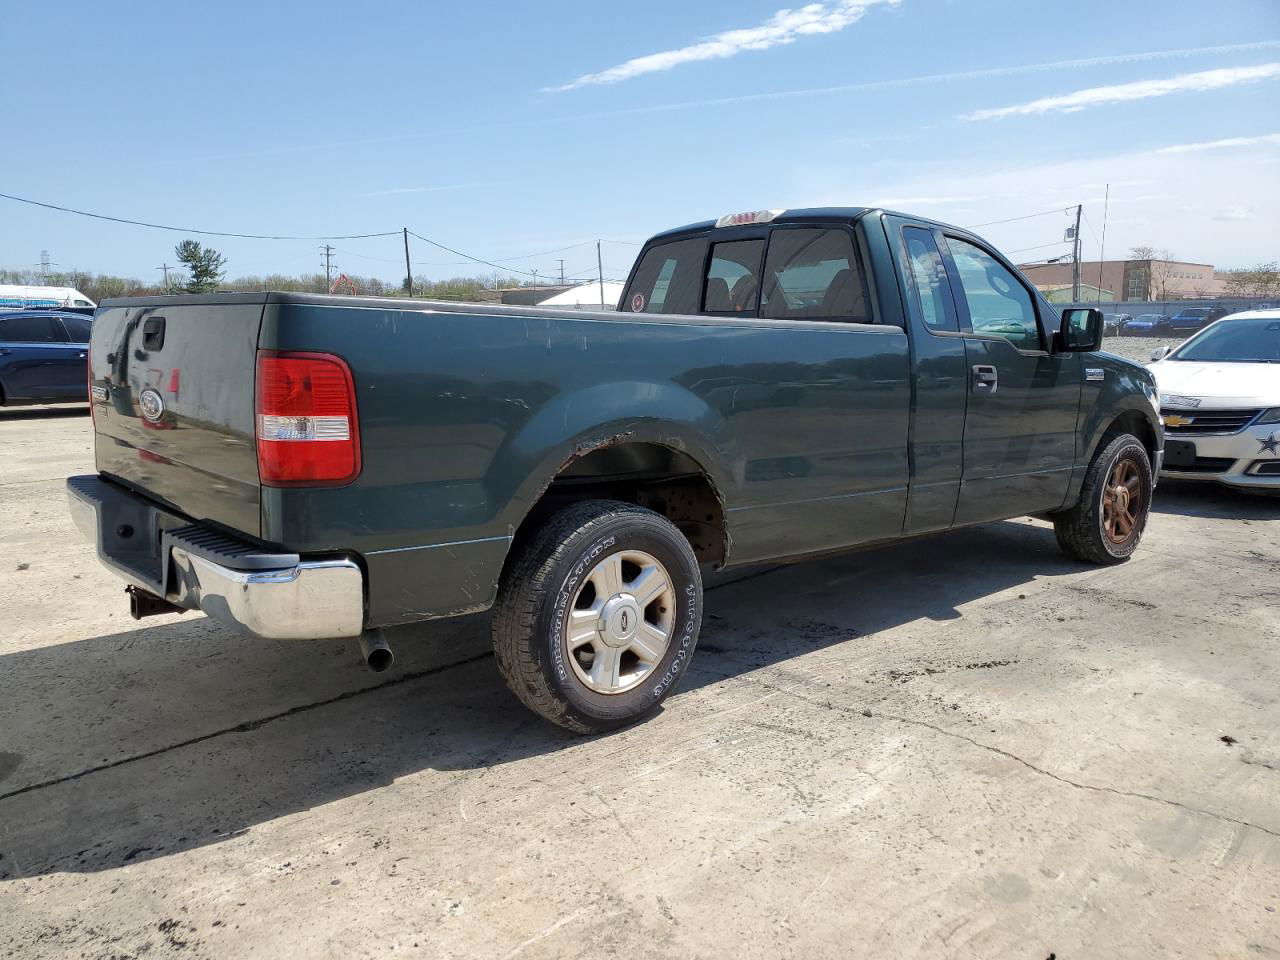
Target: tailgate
{"x": 172, "y": 390}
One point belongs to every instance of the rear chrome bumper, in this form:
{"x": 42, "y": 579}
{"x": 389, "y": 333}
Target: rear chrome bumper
{"x": 272, "y": 596}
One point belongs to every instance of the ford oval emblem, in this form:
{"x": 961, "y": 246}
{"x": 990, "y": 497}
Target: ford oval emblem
{"x": 151, "y": 404}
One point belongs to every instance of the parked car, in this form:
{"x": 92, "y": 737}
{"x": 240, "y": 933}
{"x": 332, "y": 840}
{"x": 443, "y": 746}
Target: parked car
{"x": 1143, "y": 325}
{"x": 775, "y": 385}
{"x": 1220, "y": 399}
{"x": 1188, "y": 320}
{"x": 1113, "y": 323}
{"x": 43, "y": 357}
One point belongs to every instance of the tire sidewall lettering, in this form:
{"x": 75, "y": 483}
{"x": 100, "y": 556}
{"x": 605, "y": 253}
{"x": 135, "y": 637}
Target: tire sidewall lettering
{"x": 687, "y": 640}
{"x": 564, "y": 597}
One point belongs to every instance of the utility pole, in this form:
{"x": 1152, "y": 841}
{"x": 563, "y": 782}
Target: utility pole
{"x": 45, "y": 264}
{"x": 600, "y": 267}
{"x": 1102, "y": 244}
{"x": 1075, "y": 266}
{"x": 408, "y": 268}
{"x": 165, "y": 268}
{"x": 328, "y": 267}
{"x": 561, "y": 271}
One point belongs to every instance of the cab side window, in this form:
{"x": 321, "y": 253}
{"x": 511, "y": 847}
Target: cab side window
{"x": 668, "y": 280}
{"x": 733, "y": 277}
{"x": 999, "y": 305}
{"x": 929, "y": 273}
{"x": 813, "y": 274}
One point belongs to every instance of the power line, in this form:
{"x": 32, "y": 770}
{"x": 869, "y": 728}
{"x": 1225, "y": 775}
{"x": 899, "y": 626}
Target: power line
{"x": 497, "y": 264}
{"x": 207, "y": 233}
{"x": 992, "y": 223}
{"x": 487, "y": 263}
{"x": 1038, "y": 246}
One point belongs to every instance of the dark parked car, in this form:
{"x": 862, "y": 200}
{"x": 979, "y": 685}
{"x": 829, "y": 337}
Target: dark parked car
{"x": 775, "y": 385}
{"x": 1188, "y": 320}
{"x": 1113, "y": 323}
{"x": 1143, "y": 325}
{"x": 43, "y": 357}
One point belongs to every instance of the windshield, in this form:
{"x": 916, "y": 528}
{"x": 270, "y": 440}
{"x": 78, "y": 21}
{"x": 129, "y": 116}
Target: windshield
{"x": 1241, "y": 340}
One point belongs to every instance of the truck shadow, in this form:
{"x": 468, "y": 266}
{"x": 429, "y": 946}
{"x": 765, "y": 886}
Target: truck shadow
{"x": 1190, "y": 498}
{"x": 123, "y": 748}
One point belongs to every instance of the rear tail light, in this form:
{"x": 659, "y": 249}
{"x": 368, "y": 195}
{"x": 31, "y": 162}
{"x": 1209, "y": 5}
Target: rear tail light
{"x": 308, "y": 433}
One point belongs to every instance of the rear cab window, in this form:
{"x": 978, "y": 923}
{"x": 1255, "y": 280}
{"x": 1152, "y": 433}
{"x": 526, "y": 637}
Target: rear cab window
{"x": 668, "y": 279}
{"x": 813, "y": 274}
{"x": 733, "y": 277}
{"x": 790, "y": 272}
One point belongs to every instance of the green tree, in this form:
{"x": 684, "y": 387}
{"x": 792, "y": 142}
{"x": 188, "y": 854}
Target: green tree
{"x": 203, "y": 263}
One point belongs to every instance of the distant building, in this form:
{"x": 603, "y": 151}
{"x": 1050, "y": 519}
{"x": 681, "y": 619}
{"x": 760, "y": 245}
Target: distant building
{"x": 1128, "y": 279}
{"x": 522, "y": 296}
{"x": 587, "y": 296}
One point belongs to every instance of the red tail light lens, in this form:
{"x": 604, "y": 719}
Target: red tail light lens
{"x": 308, "y": 432}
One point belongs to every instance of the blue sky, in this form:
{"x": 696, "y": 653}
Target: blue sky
{"x": 507, "y": 129}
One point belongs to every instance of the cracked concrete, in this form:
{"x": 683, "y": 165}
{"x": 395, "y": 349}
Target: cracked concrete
{"x": 964, "y": 747}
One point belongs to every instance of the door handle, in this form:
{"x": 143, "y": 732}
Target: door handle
{"x": 985, "y": 378}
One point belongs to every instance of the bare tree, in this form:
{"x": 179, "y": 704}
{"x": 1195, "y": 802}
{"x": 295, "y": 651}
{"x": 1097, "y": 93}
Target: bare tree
{"x": 1161, "y": 274}
{"x": 1157, "y": 271}
{"x": 1260, "y": 281}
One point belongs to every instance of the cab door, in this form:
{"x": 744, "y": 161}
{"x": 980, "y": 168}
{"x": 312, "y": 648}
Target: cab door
{"x": 1023, "y": 400}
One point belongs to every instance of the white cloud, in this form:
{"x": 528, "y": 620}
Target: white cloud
{"x": 785, "y": 26}
{"x": 1206, "y": 186}
{"x": 1125, "y": 92}
{"x": 1229, "y": 142}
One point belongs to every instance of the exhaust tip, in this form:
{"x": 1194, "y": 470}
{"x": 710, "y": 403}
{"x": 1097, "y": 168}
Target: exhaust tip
{"x": 380, "y": 659}
{"x": 377, "y": 654}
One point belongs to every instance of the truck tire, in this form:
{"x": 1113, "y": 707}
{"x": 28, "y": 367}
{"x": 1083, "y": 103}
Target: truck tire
{"x": 1115, "y": 500}
{"x": 597, "y": 615}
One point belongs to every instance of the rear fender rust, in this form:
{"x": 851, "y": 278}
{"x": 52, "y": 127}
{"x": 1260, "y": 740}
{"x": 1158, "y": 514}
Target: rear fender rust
{"x": 584, "y": 447}
{"x": 693, "y": 514}
{"x": 580, "y": 450}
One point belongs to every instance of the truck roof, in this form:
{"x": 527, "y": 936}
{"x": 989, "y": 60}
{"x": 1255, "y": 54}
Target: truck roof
{"x": 800, "y": 215}
{"x": 804, "y": 215}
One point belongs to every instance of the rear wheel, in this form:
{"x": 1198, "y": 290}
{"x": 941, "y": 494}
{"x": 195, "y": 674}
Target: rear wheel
{"x": 598, "y": 615}
{"x": 1115, "y": 500}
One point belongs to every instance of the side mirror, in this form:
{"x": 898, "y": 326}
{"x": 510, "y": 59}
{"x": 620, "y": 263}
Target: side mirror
{"x": 1159, "y": 353}
{"x": 1081, "y": 330}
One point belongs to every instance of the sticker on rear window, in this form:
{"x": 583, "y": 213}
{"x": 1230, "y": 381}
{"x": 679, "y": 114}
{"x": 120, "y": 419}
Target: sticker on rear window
{"x": 637, "y": 303}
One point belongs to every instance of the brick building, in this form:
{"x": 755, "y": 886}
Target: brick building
{"x": 1131, "y": 279}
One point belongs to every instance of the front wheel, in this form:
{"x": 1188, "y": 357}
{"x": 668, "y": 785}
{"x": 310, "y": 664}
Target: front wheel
{"x": 598, "y": 615}
{"x": 1115, "y": 500}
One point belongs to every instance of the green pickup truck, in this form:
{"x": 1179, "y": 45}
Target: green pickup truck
{"x": 775, "y": 385}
